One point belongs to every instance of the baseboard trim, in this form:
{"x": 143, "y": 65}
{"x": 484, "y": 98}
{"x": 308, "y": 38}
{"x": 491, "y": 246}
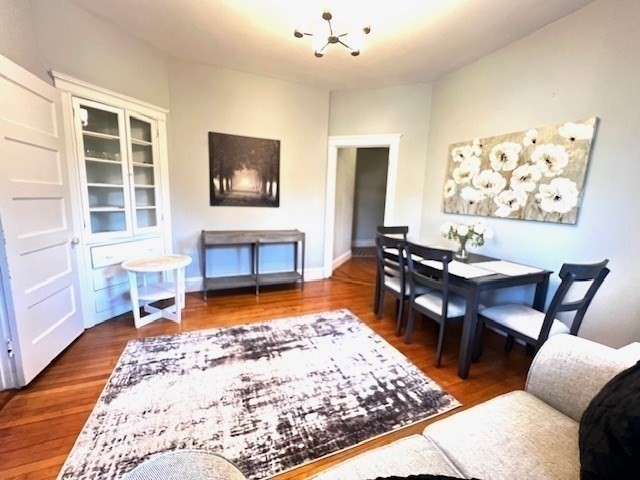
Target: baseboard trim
{"x": 363, "y": 243}
{"x": 345, "y": 257}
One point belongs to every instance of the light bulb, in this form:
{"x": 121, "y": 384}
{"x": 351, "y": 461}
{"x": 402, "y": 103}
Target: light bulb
{"x": 355, "y": 40}
{"x": 84, "y": 117}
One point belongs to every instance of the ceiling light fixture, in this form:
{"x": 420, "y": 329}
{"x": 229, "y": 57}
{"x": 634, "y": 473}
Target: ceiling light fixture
{"x": 319, "y": 43}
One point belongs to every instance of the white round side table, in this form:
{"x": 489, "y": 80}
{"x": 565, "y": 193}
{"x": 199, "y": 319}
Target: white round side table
{"x": 149, "y": 293}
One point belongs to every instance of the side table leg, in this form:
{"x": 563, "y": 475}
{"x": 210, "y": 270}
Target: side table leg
{"x": 178, "y": 276}
{"x": 133, "y": 293}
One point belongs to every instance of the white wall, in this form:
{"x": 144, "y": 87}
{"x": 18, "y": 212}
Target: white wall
{"x": 76, "y": 43}
{"x": 370, "y": 192}
{"x": 403, "y": 110}
{"x": 18, "y": 38}
{"x": 345, "y": 187}
{"x": 57, "y": 35}
{"x": 208, "y": 99}
{"x": 582, "y": 65}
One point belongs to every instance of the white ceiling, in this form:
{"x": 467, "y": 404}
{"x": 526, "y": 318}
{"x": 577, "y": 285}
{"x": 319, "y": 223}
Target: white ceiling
{"x": 411, "y": 41}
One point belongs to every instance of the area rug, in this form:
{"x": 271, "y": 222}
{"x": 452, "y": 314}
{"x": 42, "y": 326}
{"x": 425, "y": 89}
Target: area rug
{"x": 267, "y": 396}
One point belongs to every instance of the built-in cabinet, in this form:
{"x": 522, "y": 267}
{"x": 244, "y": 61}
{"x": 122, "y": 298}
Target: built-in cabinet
{"x": 121, "y": 189}
{"x": 119, "y": 170}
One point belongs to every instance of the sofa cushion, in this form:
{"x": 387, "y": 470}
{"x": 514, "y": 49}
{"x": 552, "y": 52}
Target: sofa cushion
{"x": 515, "y": 435}
{"x": 568, "y": 371}
{"x": 610, "y": 430}
{"x": 408, "y": 456}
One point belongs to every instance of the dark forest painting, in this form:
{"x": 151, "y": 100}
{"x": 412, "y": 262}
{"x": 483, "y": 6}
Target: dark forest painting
{"x": 243, "y": 171}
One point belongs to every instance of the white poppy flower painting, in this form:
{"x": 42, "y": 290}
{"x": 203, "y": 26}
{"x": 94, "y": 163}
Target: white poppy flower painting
{"x": 535, "y": 174}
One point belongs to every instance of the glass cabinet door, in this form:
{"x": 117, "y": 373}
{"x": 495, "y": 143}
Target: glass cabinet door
{"x": 101, "y": 141}
{"x": 144, "y": 173}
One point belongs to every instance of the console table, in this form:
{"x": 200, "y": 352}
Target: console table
{"x": 253, "y": 238}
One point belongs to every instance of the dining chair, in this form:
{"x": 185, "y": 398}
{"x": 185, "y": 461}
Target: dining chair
{"x": 429, "y": 292}
{"x": 534, "y": 327}
{"x": 398, "y": 232}
{"x": 391, "y": 272}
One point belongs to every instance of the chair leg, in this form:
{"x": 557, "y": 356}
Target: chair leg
{"x": 380, "y": 303}
{"x": 508, "y": 346}
{"x": 399, "y": 325}
{"x": 410, "y": 325}
{"x": 478, "y": 342}
{"x": 440, "y": 342}
{"x": 376, "y": 296}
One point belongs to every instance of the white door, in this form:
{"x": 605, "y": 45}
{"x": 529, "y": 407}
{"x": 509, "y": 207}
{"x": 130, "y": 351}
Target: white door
{"x": 41, "y": 275}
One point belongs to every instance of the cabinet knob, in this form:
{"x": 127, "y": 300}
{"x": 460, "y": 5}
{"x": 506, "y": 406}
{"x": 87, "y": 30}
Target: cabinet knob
{"x": 75, "y": 241}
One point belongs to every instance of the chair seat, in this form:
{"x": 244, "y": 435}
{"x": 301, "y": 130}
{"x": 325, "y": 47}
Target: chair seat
{"x": 522, "y": 319}
{"x": 432, "y": 301}
{"x": 394, "y": 284}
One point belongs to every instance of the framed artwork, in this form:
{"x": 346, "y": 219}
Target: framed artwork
{"x": 536, "y": 174}
{"x": 243, "y": 171}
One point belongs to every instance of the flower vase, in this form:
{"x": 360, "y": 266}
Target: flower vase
{"x": 462, "y": 254}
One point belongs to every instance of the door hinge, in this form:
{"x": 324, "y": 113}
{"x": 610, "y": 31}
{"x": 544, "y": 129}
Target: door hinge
{"x": 10, "y": 348}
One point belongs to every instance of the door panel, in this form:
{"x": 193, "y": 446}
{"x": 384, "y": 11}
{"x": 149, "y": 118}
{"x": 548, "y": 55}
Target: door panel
{"x": 35, "y": 214}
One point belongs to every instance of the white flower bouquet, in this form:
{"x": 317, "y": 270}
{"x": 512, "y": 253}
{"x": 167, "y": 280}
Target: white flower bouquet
{"x": 474, "y": 234}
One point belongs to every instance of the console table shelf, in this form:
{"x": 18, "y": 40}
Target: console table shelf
{"x": 253, "y": 238}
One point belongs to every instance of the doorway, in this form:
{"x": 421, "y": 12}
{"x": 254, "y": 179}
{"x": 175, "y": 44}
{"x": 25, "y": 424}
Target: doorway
{"x": 361, "y": 184}
{"x": 390, "y": 142}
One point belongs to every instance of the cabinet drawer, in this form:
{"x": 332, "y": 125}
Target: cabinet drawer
{"x": 114, "y": 254}
{"x": 112, "y": 297}
{"x": 109, "y": 277}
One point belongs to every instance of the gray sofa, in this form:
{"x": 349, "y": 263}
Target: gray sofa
{"x": 530, "y": 434}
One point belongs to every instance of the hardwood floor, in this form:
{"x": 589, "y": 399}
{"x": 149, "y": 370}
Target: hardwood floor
{"x": 39, "y": 424}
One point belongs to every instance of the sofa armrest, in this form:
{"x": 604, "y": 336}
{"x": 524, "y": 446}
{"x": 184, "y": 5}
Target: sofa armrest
{"x": 569, "y": 371}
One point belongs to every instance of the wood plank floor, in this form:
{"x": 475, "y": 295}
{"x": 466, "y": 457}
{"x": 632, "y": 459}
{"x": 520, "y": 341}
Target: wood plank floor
{"x": 39, "y": 424}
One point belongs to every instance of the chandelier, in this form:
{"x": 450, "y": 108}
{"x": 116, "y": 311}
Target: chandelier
{"x": 322, "y": 40}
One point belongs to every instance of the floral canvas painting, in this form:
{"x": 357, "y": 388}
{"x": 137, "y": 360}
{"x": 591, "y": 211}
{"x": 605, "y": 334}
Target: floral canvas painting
{"x": 536, "y": 174}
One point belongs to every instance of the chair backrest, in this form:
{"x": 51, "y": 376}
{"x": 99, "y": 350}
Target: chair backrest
{"x": 572, "y": 273}
{"x": 399, "y": 231}
{"x": 390, "y": 257}
{"x": 436, "y": 278}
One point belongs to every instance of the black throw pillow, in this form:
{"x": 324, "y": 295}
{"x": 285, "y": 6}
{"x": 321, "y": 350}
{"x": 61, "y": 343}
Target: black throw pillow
{"x": 609, "y": 436}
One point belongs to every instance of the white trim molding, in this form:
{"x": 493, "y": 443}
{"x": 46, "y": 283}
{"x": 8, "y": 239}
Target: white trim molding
{"x": 84, "y": 89}
{"x": 391, "y": 141}
{"x": 345, "y": 257}
{"x": 363, "y": 243}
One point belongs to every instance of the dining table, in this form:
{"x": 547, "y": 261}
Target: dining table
{"x": 479, "y": 274}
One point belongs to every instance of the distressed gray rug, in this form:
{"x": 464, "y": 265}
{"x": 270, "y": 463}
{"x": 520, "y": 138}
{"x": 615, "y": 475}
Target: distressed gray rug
{"x": 267, "y": 396}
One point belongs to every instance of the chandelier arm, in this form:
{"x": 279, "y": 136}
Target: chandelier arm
{"x": 342, "y": 34}
{"x": 330, "y": 27}
{"x": 325, "y": 46}
{"x": 342, "y": 43}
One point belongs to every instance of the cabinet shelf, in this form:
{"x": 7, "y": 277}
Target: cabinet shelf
{"x": 106, "y": 209}
{"x": 136, "y": 141}
{"x": 254, "y": 239}
{"x": 102, "y": 160}
{"x": 107, "y": 136}
{"x": 105, "y": 185}
{"x": 146, "y": 207}
{"x": 146, "y": 165}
